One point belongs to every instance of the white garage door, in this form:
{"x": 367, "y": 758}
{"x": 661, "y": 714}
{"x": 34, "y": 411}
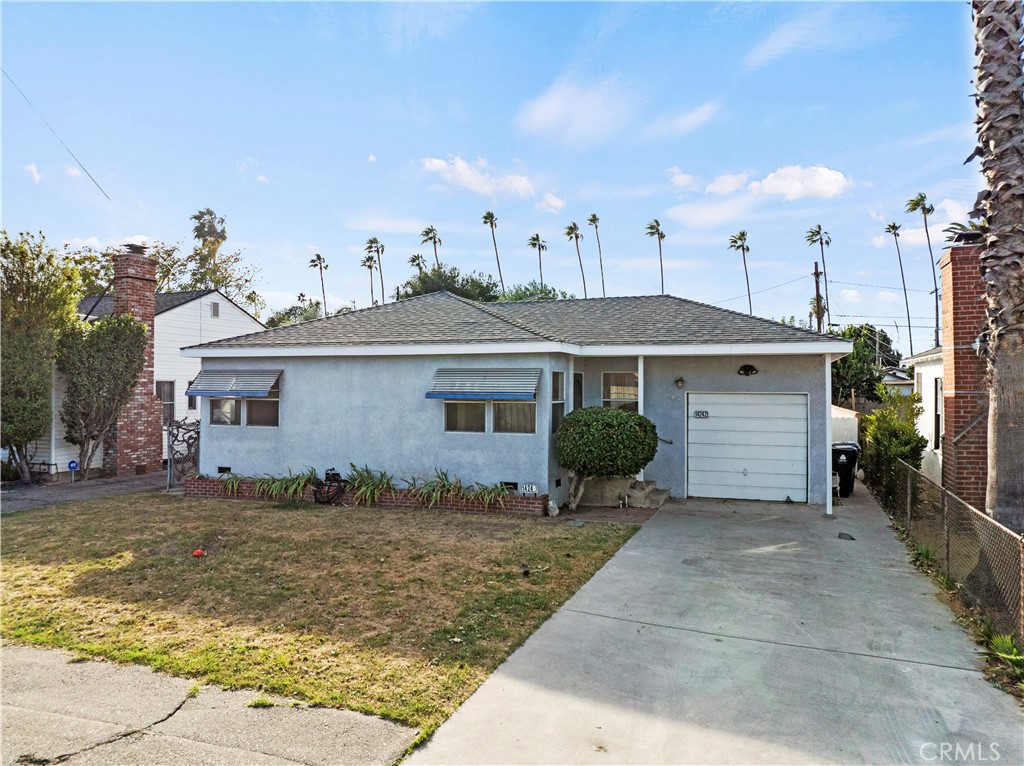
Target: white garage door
{"x": 747, "y": 446}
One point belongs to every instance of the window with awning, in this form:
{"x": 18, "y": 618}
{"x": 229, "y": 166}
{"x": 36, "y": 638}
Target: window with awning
{"x": 234, "y": 383}
{"x": 515, "y": 385}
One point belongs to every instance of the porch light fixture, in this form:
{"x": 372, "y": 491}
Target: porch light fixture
{"x": 747, "y": 370}
{"x": 679, "y": 382}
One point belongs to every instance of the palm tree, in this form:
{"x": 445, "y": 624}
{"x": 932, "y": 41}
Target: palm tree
{"x": 572, "y": 232}
{"x": 318, "y": 262}
{"x": 821, "y": 238}
{"x": 594, "y": 221}
{"x": 894, "y": 229}
{"x": 418, "y": 262}
{"x": 370, "y": 263}
{"x": 919, "y": 204}
{"x": 999, "y": 52}
{"x": 540, "y": 246}
{"x": 738, "y": 241}
{"x": 430, "y": 237}
{"x": 491, "y": 220}
{"x": 375, "y": 247}
{"x": 654, "y": 230}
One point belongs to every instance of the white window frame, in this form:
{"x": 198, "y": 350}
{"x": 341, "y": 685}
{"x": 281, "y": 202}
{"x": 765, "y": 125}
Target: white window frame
{"x": 466, "y": 401}
{"x": 513, "y": 433}
{"x": 243, "y": 415}
{"x": 609, "y": 402}
{"x": 557, "y": 397}
{"x": 489, "y": 416}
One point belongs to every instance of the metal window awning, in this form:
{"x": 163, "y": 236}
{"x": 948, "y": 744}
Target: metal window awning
{"x": 516, "y": 385}
{"x": 233, "y": 383}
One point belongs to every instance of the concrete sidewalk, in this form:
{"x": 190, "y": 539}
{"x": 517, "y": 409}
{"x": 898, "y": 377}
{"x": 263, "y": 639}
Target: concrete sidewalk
{"x": 738, "y": 632}
{"x": 81, "y": 713}
{"x": 64, "y": 491}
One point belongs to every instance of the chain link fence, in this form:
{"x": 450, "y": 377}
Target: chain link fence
{"x": 982, "y": 557}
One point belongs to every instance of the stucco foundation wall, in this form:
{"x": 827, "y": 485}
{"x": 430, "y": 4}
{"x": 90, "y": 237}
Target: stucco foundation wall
{"x": 372, "y": 411}
{"x": 665, "y": 404}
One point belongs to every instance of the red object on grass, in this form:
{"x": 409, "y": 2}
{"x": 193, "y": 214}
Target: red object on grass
{"x": 198, "y": 553}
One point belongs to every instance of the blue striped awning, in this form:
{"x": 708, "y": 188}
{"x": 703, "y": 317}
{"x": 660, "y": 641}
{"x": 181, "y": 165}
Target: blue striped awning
{"x": 516, "y": 385}
{"x": 233, "y": 383}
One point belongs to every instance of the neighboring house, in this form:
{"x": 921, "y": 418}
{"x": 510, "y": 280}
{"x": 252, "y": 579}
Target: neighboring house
{"x": 898, "y": 381}
{"x": 928, "y": 383}
{"x": 179, "y": 319}
{"x": 742, "y": 404}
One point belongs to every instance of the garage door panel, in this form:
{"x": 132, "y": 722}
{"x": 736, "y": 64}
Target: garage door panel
{"x": 747, "y": 446}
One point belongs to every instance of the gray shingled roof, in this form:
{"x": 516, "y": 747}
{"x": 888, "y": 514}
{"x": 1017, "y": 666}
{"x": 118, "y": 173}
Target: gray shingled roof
{"x": 164, "y": 302}
{"x": 446, "y": 318}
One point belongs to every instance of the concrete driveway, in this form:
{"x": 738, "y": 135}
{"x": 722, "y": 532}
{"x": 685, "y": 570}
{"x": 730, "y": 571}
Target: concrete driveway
{"x": 744, "y": 633}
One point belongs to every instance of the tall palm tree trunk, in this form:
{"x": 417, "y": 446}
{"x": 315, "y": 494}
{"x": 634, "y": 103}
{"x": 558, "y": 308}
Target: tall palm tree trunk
{"x": 906, "y": 301}
{"x": 436, "y": 259}
{"x": 600, "y": 261}
{"x": 540, "y": 265}
{"x": 501, "y": 279}
{"x": 998, "y": 28}
{"x": 935, "y": 279}
{"x": 582, "y": 274}
{"x": 373, "y": 298}
{"x": 824, "y": 274}
{"x": 323, "y": 291}
{"x": 750, "y": 304}
{"x": 661, "y": 267}
{"x": 380, "y": 270}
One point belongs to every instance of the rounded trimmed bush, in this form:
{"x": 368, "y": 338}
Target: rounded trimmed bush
{"x": 603, "y": 441}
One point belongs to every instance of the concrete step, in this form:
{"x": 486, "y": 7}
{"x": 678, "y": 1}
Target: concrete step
{"x": 648, "y": 496}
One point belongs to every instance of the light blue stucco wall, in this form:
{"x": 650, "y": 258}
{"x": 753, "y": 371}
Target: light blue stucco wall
{"x": 372, "y": 411}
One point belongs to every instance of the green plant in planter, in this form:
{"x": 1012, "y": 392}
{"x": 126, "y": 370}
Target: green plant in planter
{"x": 229, "y": 484}
{"x": 441, "y": 487}
{"x": 488, "y": 494}
{"x": 368, "y": 485}
{"x": 600, "y": 442}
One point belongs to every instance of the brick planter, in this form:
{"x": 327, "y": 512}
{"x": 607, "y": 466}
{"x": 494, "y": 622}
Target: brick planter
{"x": 512, "y": 504}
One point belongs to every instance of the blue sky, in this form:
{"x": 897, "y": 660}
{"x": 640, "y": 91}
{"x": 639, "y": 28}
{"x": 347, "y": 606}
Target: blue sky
{"x": 313, "y": 127}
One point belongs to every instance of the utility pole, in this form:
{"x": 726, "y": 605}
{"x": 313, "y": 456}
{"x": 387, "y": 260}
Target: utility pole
{"x": 817, "y": 296}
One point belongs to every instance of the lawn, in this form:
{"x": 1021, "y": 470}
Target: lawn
{"x": 397, "y": 613}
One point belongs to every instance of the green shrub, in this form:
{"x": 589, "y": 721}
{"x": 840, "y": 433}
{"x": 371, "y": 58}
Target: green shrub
{"x": 601, "y": 442}
{"x": 891, "y": 434}
{"x": 368, "y": 485}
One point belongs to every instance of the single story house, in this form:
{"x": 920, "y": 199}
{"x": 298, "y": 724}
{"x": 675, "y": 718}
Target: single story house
{"x": 742, "y": 404}
{"x": 898, "y": 380}
{"x": 928, "y": 383}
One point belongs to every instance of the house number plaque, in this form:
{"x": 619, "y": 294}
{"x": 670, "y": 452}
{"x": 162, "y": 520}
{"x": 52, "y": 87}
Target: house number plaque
{"x": 701, "y": 414}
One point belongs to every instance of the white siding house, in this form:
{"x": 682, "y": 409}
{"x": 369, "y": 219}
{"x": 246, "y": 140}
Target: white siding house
{"x": 928, "y": 383}
{"x": 181, "y": 319}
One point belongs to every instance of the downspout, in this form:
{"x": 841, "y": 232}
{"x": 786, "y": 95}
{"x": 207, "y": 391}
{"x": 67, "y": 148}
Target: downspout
{"x": 828, "y": 436}
{"x": 640, "y": 396}
{"x": 53, "y": 414}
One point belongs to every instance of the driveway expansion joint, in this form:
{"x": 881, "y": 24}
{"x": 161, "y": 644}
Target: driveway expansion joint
{"x": 754, "y": 639}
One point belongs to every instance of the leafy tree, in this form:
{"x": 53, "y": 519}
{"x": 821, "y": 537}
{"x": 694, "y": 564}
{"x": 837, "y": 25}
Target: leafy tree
{"x": 304, "y": 310}
{"x": 96, "y": 267}
{"x": 534, "y": 291}
{"x": 375, "y": 248}
{"x": 475, "y": 286}
{"x": 209, "y": 228}
{"x": 919, "y": 204}
{"x": 594, "y": 221}
{"x": 861, "y": 369}
{"x": 970, "y": 231}
{"x": 1000, "y": 50}
{"x": 101, "y": 363}
{"x": 38, "y": 299}
{"x": 540, "y": 246}
{"x": 654, "y": 230}
{"x": 891, "y": 434}
{"x": 738, "y": 241}
{"x": 418, "y": 262}
{"x": 603, "y": 442}
{"x": 491, "y": 221}
{"x": 318, "y": 262}
{"x": 572, "y": 233}
{"x": 822, "y": 239}
{"x": 430, "y": 237}
{"x": 894, "y": 229}
{"x": 370, "y": 263}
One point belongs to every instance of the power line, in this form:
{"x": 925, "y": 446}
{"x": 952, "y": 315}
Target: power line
{"x": 764, "y": 290}
{"x": 68, "y": 150}
{"x": 882, "y": 287}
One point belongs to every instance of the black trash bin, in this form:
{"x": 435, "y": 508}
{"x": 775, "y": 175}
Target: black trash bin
{"x": 844, "y": 462}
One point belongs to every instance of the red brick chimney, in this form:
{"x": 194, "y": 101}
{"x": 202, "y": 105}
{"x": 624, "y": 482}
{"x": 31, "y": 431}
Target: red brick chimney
{"x": 965, "y": 395}
{"x": 136, "y": 446}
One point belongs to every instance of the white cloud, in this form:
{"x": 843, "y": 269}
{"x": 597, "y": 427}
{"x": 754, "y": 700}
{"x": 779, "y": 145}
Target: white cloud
{"x": 135, "y": 239}
{"x": 36, "y": 175}
{"x": 880, "y": 241}
{"x": 805, "y": 32}
{"x": 727, "y": 183}
{"x": 550, "y": 204}
{"x": 953, "y": 210}
{"x": 372, "y": 158}
{"x": 703, "y": 215}
{"x": 850, "y": 296}
{"x": 887, "y": 297}
{"x": 262, "y": 179}
{"x": 679, "y": 179}
{"x": 476, "y": 177}
{"x": 72, "y": 171}
{"x": 795, "y": 182}
{"x": 77, "y": 243}
{"x": 684, "y": 123}
{"x": 579, "y": 115}
{"x": 244, "y": 165}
